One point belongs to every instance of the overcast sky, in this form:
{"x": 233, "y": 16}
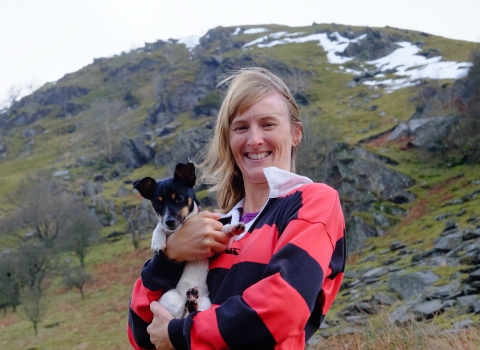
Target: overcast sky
{"x": 42, "y": 40}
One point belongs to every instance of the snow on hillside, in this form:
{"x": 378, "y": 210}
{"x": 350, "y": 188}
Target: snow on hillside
{"x": 408, "y": 65}
{"x": 190, "y": 42}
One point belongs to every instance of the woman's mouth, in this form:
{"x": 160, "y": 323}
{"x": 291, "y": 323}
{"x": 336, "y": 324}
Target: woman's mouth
{"x": 257, "y": 156}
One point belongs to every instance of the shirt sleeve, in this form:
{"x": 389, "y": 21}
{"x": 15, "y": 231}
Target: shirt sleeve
{"x": 299, "y": 285}
{"x": 158, "y": 274}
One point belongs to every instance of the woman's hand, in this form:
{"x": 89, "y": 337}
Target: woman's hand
{"x": 158, "y": 329}
{"x": 199, "y": 237}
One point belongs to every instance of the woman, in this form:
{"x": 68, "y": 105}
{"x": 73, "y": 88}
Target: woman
{"x": 274, "y": 284}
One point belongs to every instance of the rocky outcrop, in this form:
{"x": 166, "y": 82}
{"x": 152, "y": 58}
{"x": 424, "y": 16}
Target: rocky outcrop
{"x": 53, "y": 96}
{"x": 186, "y": 146}
{"x": 377, "y": 44}
{"x": 136, "y": 153}
{"x": 363, "y": 180}
{"x": 424, "y": 132}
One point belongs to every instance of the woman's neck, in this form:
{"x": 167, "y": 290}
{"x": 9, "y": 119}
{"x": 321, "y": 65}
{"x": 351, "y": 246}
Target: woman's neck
{"x": 256, "y": 196}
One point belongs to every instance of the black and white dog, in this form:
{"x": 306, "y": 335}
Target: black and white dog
{"x": 173, "y": 200}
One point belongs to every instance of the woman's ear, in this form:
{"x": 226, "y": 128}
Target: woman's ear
{"x": 297, "y": 137}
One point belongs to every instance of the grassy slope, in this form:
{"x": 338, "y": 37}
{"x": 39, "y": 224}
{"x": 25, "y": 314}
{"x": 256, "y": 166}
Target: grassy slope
{"x": 99, "y": 320}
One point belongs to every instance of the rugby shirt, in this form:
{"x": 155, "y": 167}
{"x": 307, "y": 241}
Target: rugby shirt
{"x": 271, "y": 288}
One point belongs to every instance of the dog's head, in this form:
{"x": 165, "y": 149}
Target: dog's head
{"x": 172, "y": 199}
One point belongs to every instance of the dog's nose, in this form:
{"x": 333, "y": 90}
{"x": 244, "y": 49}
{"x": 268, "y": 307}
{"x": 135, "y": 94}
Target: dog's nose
{"x": 170, "y": 222}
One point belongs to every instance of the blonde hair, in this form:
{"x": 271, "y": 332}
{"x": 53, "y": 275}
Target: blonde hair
{"x": 245, "y": 88}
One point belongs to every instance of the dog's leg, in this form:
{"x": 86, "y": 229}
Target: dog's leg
{"x": 234, "y": 229}
{"x": 191, "y": 300}
{"x": 159, "y": 239}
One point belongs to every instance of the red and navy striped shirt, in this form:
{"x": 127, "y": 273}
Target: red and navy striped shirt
{"x": 272, "y": 288}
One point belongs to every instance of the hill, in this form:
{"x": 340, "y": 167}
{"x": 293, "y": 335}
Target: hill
{"x": 384, "y": 110}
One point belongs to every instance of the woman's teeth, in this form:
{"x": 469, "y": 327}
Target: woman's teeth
{"x": 257, "y": 155}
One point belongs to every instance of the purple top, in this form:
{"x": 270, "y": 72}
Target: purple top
{"x": 247, "y": 217}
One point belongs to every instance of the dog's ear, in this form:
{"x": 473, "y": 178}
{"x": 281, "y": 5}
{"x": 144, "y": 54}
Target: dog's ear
{"x": 145, "y": 186}
{"x": 186, "y": 174}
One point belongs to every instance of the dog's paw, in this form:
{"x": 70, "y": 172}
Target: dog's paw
{"x": 240, "y": 227}
{"x": 233, "y": 230}
{"x": 156, "y": 246}
{"x": 191, "y": 302}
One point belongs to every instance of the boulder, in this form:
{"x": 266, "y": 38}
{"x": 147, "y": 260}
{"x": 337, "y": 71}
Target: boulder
{"x": 428, "y": 309}
{"x": 424, "y": 131}
{"x": 450, "y": 242}
{"x": 136, "y": 153}
{"x": 409, "y": 285}
{"x": 377, "y": 44}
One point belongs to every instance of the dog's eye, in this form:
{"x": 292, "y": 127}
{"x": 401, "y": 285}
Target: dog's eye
{"x": 179, "y": 198}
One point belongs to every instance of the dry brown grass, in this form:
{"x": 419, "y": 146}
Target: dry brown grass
{"x": 381, "y": 334}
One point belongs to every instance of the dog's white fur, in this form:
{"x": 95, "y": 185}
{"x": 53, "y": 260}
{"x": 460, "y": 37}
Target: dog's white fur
{"x": 194, "y": 274}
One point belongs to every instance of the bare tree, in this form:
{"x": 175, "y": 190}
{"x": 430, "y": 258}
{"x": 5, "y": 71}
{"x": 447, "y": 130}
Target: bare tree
{"x": 12, "y": 96}
{"x": 135, "y": 223}
{"x": 105, "y": 115}
{"x": 37, "y": 264}
{"x": 41, "y": 205}
{"x": 82, "y": 228}
{"x": 76, "y": 277}
{"x": 34, "y": 306}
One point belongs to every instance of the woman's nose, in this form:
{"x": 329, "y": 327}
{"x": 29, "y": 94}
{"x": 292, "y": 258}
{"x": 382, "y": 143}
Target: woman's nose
{"x": 255, "y": 137}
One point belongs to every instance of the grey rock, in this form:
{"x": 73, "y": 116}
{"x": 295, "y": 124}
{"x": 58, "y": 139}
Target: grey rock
{"x": 423, "y": 130}
{"x": 357, "y": 233}
{"x": 401, "y": 315}
{"x": 383, "y": 299}
{"x": 449, "y": 242}
{"x": 397, "y": 245}
{"x": 90, "y": 189}
{"x": 135, "y": 153}
{"x": 429, "y": 309}
{"x": 475, "y": 275}
{"x": 467, "y": 301}
{"x": 450, "y": 225}
{"x": 408, "y": 285}
{"x": 476, "y": 307}
{"x": 446, "y": 291}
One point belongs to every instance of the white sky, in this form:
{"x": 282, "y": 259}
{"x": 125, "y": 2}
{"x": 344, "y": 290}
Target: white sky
{"x": 42, "y": 40}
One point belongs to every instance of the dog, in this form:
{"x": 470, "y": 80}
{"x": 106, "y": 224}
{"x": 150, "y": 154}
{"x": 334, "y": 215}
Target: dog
{"x": 173, "y": 200}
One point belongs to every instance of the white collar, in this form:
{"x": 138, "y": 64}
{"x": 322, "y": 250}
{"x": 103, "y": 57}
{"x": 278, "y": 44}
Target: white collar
{"x": 280, "y": 183}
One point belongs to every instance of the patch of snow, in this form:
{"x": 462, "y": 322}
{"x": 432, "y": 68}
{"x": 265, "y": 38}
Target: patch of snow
{"x": 278, "y": 35}
{"x": 190, "y": 42}
{"x": 255, "y": 30}
{"x": 294, "y": 34}
{"x": 391, "y": 84}
{"x": 407, "y": 63}
{"x": 405, "y": 60}
{"x": 256, "y": 41}
{"x": 60, "y": 173}
{"x": 238, "y": 30}
{"x": 332, "y": 47}
{"x": 353, "y": 71}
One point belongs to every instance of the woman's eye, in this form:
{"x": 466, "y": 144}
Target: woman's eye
{"x": 268, "y": 125}
{"x": 240, "y": 128}
{"x": 179, "y": 198}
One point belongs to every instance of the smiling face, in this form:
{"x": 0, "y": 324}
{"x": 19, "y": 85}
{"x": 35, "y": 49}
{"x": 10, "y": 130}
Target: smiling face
{"x": 262, "y": 136}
